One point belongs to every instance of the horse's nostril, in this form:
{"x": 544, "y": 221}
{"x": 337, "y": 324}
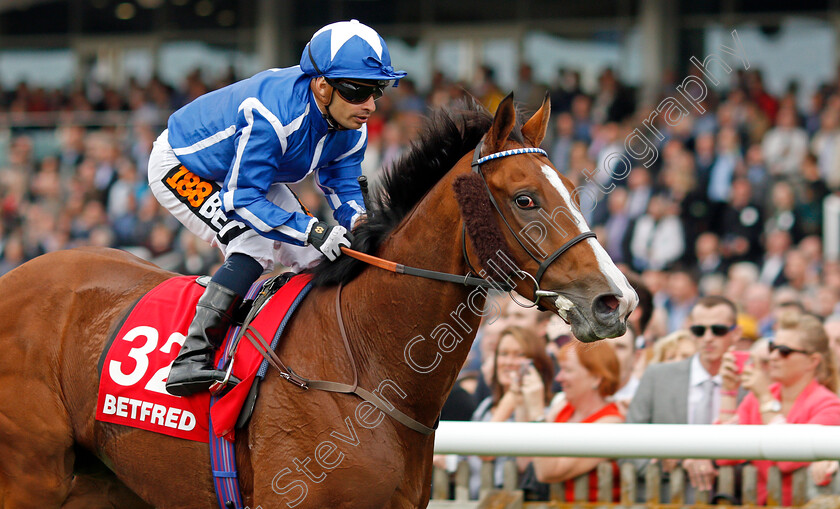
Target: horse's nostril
{"x": 605, "y": 304}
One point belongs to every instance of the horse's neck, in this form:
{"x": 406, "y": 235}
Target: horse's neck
{"x": 413, "y": 331}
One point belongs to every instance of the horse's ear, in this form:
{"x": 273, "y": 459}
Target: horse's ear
{"x": 534, "y": 128}
{"x": 503, "y": 124}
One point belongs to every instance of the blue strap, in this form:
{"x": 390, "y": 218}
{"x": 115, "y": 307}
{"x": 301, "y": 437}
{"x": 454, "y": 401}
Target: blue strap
{"x": 222, "y": 473}
{"x": 222, "y": 452}
{"x": 225, "y": 480}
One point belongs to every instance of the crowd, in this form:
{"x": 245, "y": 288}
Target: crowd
{"x": 722, "y": 233}
{"x": 525, "y": 367}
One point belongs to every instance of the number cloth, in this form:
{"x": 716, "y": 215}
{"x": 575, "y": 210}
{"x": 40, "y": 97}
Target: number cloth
{"x": 132, "y": 386}
{"x": 137, "y": 361}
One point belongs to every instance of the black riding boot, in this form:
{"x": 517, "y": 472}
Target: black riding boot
{"x": 193, "y": 369}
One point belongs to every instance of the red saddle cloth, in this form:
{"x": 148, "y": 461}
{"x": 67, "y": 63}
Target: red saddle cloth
{"x": 132, "y": 384}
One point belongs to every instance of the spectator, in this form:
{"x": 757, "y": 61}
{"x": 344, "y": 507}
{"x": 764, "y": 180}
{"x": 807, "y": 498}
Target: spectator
{"x": 561, "y": 148}
{"x": 758, "y": 304}
{"x": 783, "y": 215}
{"x": 487, "y": 339}
{"x": 825, "y": 146}
{"x": 531, "y": 319}
{"x": 809, "y": 205}
{"x": 723, "y": 170}
{"x": 681, "y": 295}
{"x": 12, "y": 254}
{"x": 772, "y": 266}
{"x": 657, "y": 237}
{"x": 528, "y": 91}
{"x": 785, "y": 146}
{"x": 581, "y": 109}
{"x": 628, "y": 356}
{"x": 613, "y": 102}
{"x": 617, "y": 225}
{"x": 518, "y": 348}
{"x": 796, "y": 272}
{"x": 740, "y": 225}
{"x": 639, "y": 191}
{"x": 707, "y": 252}
{"x": 685, "y": 392}
{"x": 704, "y": 159}
{"x": 676, "y": 346}
{"x": 486, "y": 88}
{"x": 567, "y": 88}
{"x": 799, "y": 388}
{"x": 589, "y": 375}
{"x": 832, "y": 330}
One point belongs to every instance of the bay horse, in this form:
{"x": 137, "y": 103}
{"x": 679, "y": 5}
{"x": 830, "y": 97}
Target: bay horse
{"x": 408, "y": 335}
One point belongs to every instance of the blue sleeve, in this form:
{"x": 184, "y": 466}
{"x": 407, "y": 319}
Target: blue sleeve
{"x": 252, "y": 173}
{"x": 340, "y": 186}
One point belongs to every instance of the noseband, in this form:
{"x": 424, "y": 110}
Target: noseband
{"x": 543, "y": 266}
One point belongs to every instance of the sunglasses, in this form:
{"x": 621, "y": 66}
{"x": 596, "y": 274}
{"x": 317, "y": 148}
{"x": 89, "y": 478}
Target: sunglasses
{"x": 784, "y": 350}
{"x": 356, "y": 92}
{"x": 717, "y": 329}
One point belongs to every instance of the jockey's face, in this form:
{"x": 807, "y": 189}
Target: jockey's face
{"x": 349, "y": 115}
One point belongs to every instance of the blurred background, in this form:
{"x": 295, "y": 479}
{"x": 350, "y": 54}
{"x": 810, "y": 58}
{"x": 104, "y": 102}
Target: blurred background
{"x": 744, "y": 193}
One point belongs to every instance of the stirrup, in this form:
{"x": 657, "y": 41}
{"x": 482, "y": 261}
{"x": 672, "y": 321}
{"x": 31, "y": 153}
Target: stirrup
{"x": 219, "y": 388}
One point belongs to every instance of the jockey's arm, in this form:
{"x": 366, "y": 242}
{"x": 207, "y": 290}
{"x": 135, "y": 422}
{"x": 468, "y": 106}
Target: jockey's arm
{"x": 341, "y": 188}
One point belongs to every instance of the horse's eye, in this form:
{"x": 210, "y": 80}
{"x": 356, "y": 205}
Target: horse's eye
{"x": 525, "y": 202}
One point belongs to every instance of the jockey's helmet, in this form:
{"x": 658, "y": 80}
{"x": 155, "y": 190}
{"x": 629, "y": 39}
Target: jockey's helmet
{"x": 348, "y": 50}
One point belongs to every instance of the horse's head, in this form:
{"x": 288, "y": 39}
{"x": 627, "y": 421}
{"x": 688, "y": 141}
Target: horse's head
{"x": 526, "y": 227}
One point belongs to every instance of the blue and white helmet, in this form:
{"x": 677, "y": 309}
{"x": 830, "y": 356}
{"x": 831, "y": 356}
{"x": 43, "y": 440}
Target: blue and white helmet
{"x": 348, "y": 49}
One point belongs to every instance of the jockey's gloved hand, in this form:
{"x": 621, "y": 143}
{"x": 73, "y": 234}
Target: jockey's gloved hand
{"x": 329, "y": 239}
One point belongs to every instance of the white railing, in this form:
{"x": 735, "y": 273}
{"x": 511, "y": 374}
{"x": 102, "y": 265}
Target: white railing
{"x": 794, "y": 442}
{"x": 800, "y": 442}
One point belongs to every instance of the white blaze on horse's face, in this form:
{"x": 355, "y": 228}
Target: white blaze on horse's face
{"x": 628, "y": 300}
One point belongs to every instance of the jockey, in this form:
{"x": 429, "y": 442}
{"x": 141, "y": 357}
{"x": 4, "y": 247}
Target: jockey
{"x": 222, "y": 165}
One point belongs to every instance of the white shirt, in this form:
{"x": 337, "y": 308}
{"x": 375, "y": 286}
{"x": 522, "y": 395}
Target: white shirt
{"x": 697, "y": 375}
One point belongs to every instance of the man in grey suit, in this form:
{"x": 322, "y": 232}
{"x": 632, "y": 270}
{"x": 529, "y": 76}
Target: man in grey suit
{"x": 688, "y": 391}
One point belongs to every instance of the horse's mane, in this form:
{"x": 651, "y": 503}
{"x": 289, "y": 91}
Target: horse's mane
{"x": 445, "y": 136}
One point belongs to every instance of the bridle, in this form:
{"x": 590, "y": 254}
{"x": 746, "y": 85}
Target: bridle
{"x": 469, "y": 279}
{"x": 543, "y": 266}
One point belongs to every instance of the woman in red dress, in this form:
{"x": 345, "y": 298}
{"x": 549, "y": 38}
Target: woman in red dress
{"x": 589, "y": 374}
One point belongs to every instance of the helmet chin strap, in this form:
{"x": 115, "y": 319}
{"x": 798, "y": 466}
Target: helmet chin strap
{"x": 332, "y": 123}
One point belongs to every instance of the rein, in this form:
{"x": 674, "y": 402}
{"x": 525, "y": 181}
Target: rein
{"x": 399, "y": 268}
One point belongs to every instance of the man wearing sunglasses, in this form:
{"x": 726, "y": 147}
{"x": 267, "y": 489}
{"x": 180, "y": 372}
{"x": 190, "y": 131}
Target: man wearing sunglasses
{"x": 222, "y": 165}
{"x": 688, "y": 391}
